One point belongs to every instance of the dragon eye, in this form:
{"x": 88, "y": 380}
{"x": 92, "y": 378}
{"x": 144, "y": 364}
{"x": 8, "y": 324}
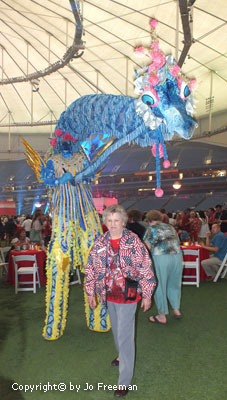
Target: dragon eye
{"x": 150, "y": 98}
{"x": 184, "y": 90}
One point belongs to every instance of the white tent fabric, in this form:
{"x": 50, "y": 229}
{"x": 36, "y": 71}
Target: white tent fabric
{"x": 36, "y": 35}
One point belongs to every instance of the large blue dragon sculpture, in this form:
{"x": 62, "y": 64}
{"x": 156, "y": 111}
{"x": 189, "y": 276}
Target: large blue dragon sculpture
{"x": 87, "y": 133}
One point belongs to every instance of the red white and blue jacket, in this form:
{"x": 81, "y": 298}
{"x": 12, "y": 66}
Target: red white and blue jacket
{"x": 135, "y": 263}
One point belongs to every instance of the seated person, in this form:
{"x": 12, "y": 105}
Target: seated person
{"x": 218, "y": 245}
{"x": 21, "y": 240}
{"x": 183, "y": 236}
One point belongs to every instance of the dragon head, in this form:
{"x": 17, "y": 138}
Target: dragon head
{"x": 165, "y": 101}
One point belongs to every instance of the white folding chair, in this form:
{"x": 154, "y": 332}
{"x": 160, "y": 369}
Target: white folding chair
{"x": 78, "y": 280}
{"x": 3, "y": 264}
{"x": 23, "y": 270}
{"x": 222, "y": 266}
{"x": 192, "y": 279}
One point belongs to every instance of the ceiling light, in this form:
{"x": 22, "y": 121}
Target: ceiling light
{"x": 176, "y": 185}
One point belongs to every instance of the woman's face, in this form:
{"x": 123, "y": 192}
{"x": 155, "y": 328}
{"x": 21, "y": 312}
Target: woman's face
{"x": 22, "y": 235}
{"x": 115, "y": 224}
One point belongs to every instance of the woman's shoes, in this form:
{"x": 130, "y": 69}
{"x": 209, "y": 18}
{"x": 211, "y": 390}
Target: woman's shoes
{"x": 178, "y": 316}
{"x": 115, "y": 362}
{"x": 120, "y": 392}
{"x": 154, "y": 320}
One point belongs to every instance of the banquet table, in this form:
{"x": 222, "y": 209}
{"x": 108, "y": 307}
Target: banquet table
{"x": 203, "y": 255}
{"x": 41, "y": 259}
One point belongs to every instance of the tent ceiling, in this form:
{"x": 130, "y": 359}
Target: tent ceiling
{"x": 37, "y": 34}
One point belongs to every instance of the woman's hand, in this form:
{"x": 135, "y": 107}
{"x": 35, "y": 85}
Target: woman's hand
{"x": 146, "y": 304}
{"x": 92, "y": 301}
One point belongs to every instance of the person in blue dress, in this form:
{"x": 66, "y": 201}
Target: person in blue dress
{"x": 163, "y": 242}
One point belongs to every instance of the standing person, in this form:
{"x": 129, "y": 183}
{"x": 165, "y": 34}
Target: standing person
{"x": 172, "y": 220}
{"x": 116, "y": 255}
{"x": 195, "y": 225}
{"x": 163, "y": 242}
{"x": 218, "y": 245}
{"x": 218, "y": 213}
{"x": 185, "y": 222}
{"x": 27, "y": 225}
{"x": 223, "y": 220}
{"x": 36, "y": 228}
{"x": 133, "y": 224}
{"x": 46, "y": 230}
{"x": 165, "y": 217}
{"x": 10, "y": 230}
{"x": 204, "y": 228}
{"x": 211, "y": 215}
{"x": 2, "y": 231}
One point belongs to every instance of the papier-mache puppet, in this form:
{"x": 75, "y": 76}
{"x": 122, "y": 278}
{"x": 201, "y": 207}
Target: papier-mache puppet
{"x": 87, "y": 133}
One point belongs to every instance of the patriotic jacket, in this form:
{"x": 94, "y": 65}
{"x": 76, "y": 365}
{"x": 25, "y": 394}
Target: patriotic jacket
{"x": 134, "y": 259}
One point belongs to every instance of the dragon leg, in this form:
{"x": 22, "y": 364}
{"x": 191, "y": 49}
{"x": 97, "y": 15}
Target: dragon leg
{"x": 57, "y": 290}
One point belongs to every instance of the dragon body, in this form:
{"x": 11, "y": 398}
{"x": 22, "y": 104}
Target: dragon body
{"x": 87, "y": 133}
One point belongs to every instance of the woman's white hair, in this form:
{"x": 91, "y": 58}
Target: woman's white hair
{"x": 115, "y": 208}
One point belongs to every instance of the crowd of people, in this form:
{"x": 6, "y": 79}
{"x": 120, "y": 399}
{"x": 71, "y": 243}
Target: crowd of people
{"x": 24, "y": 230}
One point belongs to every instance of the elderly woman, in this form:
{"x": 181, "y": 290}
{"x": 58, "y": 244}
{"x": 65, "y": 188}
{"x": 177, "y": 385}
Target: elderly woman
{"x": 163, "y": 242}
{"x": 116, "y": 255}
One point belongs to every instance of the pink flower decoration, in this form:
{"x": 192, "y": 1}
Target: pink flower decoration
{"x": 59, "y": 132}
{"x": 166, "y": 164}
{"x": 67, "y": 136}
{"x": 159, "y": 192}
{"x": 193, "y": 84}
{"x": 153, "y": 80}
{"x": 160, "y": 150}
{"x": 175, "y": 71}
{"x": 139, "y": 51}
{"x": 153, "y": 23}
{"x": 155, "y": 45}
{"x": 53, "y": 142}
{"x": 158, "y": 59}
{"x": 152, "y": 69}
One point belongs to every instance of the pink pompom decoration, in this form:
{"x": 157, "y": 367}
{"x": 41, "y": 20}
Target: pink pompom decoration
{"x": 155, "y": 46}
{"x": 153, "y": 23}
{"x": 158, "y": 59}
{"x": 153, "y": 80}
{"x": 166, "y": 164}
{"x": 53, "y": 142}
{"x": 59, "y": 132}
{"x": 175, "y": 71}
{"x": 193, "y": 84}
{"x": 139, "y": 51}
{"x": 159, "y": 192}
{"x": 160, "y": 150}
